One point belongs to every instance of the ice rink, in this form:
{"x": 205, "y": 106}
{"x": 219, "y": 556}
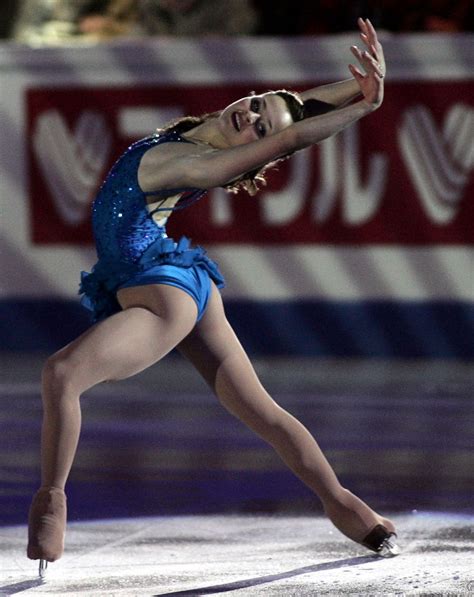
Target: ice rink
{"x": 170, "y": 495}
{"x": 245, "y": 555}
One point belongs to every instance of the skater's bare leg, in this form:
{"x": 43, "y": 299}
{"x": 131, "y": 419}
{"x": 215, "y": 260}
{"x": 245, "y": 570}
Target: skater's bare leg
{"x": 155, "y": 318}
{"x": 215, "y": 351}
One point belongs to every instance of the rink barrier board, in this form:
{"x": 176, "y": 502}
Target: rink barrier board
{"x": 437, "y": 329}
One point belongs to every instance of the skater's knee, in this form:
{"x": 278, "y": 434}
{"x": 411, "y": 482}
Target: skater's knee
{"x": 269, "y": 423}
{"x": 258, "y": 412}
{"x": 58, "y": 375}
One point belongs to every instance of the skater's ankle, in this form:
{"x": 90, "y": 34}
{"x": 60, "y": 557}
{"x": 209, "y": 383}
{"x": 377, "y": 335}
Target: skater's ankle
{"x": 50, "y": 489}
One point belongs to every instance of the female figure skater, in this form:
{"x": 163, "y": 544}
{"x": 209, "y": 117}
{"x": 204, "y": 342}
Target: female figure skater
{"x": 150, "y": 294}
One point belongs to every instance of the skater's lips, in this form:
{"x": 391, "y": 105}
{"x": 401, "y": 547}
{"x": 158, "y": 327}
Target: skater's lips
{"x": 235, "y": 117}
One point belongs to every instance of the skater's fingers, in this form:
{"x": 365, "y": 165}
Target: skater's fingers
{"x": 371, "y": 29}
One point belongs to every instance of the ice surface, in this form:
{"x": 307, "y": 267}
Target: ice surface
{"x": 248, "y": 555}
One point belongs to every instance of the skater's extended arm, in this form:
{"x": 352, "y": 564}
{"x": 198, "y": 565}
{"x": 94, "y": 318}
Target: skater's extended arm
{"x": 203, "y": 167}
{"x": 234, "y": 144}
{"x": 217, "y": 167}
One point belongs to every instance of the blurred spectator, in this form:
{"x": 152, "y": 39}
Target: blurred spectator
{"x": 57, "y": 21}
{"x": 171, "y": 17}
{"x": 102, "y": 19}
{"x": 46, "y": 21}
{"x": 198, "y": 17}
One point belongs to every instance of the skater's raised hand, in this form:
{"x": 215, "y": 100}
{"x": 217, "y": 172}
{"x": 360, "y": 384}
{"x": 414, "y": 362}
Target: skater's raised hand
{"x": 370, "y": 81}
{"x": 369, "y": 36}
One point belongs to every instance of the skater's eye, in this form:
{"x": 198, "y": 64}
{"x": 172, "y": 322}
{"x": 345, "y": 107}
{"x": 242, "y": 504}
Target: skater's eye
{"x": 260, "y": 128}
{"x": 255, "y": 104}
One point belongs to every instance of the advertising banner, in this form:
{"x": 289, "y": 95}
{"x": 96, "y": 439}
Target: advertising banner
{"x": 360, "y": 246}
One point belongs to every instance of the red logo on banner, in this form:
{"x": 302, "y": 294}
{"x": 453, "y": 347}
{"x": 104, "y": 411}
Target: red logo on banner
{"x": 399, "y": 176}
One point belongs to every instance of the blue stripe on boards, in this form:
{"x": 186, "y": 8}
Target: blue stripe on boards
{"x": 40, "y": 325}
{"x": 302, "y": 328}
{"x": 355, "y": 329}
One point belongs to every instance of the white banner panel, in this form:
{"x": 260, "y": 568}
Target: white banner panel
{"x": 382, "y": 212}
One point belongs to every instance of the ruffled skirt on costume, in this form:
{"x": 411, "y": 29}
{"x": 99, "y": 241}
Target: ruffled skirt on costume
{"x": 99, "y": 287}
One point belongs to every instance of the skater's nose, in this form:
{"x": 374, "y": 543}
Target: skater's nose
{"x": 252, "y": 117}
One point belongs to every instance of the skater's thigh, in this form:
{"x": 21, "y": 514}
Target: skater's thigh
{"x": 212, "y": 341}
{"x": 215, "y": 351}
{"x": 153, "y": 321}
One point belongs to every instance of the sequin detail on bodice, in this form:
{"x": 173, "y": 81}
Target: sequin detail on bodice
{"x": 125, "y": 220}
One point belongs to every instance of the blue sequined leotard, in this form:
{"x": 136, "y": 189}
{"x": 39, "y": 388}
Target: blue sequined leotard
{"x": 130, "y": 233}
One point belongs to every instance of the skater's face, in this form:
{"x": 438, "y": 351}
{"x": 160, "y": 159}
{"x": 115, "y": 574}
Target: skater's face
{"x": 253, "y": 117}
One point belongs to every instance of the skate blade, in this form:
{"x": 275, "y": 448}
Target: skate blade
{"x": 43, "y": 566}
{"x": 389, "y": 549}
